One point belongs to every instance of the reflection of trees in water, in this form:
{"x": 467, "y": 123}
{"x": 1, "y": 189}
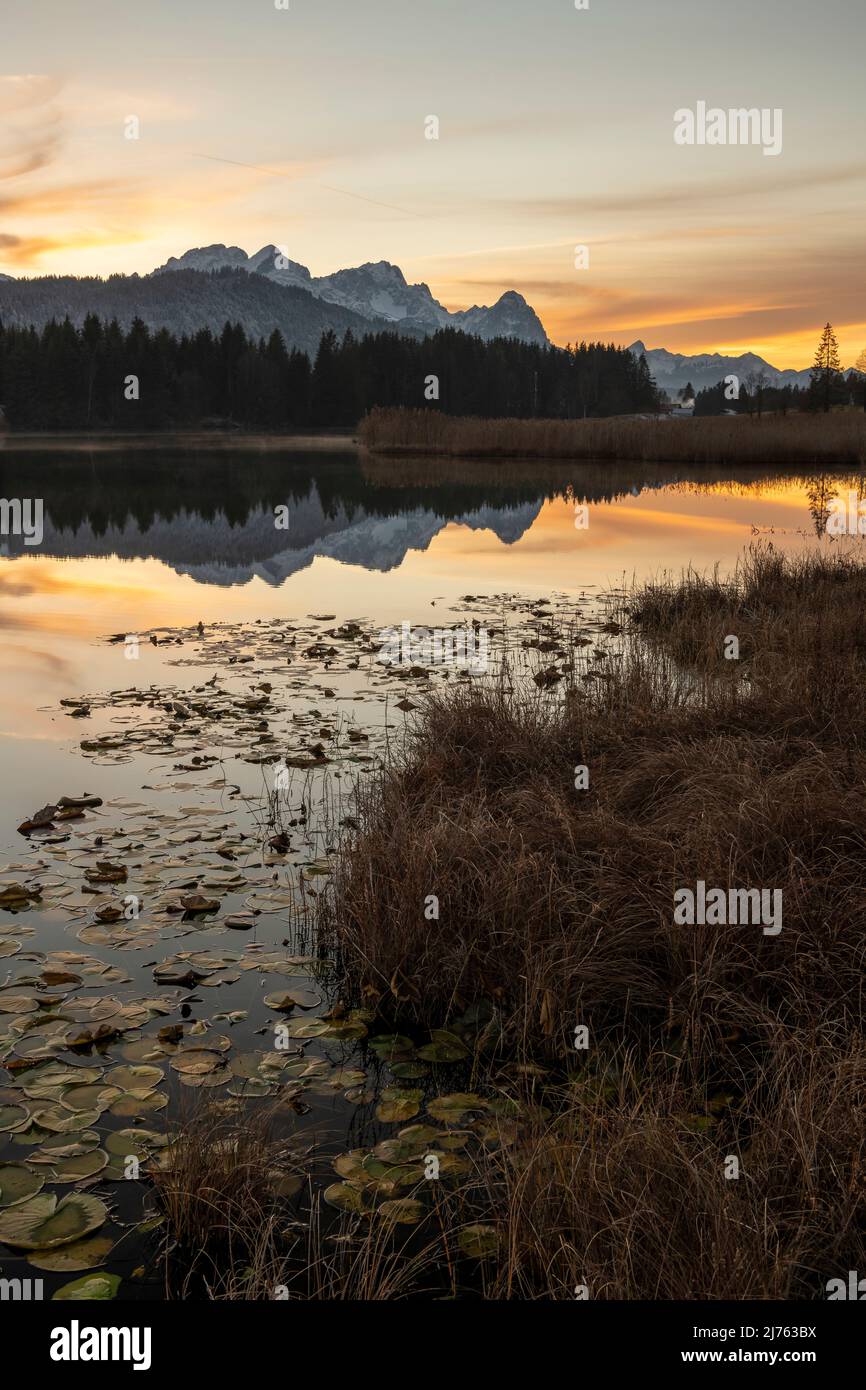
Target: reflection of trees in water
{"x": 104, "y": 490}
{"x": 821, "y": 490}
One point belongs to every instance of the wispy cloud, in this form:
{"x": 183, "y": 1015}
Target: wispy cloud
{"x": 32, "y": 128}
{"x": 690, "y": 193}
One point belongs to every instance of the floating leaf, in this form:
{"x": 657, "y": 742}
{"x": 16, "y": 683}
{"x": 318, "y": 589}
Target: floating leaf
{"x": 285, "y": 1000}
{"x": 346, "y": 1197}
{"x": 135, "y": 1143}
{"x": 80, "y": 1166}
{"x": 18, "y": 1003}
{"x": 80, "y": 1254}
{"x": 133, "y": 1103}
{"x": 18, "y": 1183}
{"x": 96, "y": 1097}
{"x": 13, "y": 1117}
{"x": 360, "y": 1095}
{"x": 446, "y": 1048}
{"x": 90, "y": 1286}
{"x": 285, "y": 1184}
{"x": 478, "y": 1241}
{"x": 392, "y": 1046}
{"x": 43, "y": 1222}
{"x": 137, "y": 1080}
{"x": 409, "y": 1071}
{"x": 196, "y": 1061}
{"x": 305, "y": 1027}
{"x": 58, "y": 1120}
{"x": 351, "y": 1165}
{"x": 451, "y": 1109}
{"x": 404, "y": 1210}
{"x": 58, "y": 1147}
{"x": 419, "y": 1135}
{"x": 396, "y": 1104}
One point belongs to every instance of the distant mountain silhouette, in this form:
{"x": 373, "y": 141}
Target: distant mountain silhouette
{"x": 376, "y": 290}
{"x": 183, "y": 303}
{"x": 674, "y": 370}
{"x": 217, "y": 284}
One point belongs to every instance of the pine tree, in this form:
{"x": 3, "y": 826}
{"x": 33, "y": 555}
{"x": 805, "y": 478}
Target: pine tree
{"x": 825, "y": 369}
{"x": 860, "y": 366}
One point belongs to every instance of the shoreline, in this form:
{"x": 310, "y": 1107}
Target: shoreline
{"x": 75, "y": 441}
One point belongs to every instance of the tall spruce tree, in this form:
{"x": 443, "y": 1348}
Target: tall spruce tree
{"x": 825, "y": 372}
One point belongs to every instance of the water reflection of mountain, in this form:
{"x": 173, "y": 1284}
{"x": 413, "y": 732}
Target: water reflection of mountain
{"x": 213, "y": 550}
{"x": 211, "y": 515}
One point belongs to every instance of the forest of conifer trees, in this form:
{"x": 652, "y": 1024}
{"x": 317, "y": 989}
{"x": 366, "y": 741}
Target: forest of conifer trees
{"x": 98, "y": 377}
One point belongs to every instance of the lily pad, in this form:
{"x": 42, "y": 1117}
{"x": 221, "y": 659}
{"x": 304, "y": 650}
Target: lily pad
{"x": 80, "y": 1254}
{"x": 196, "y": 1061}
{"x": 137, "y": 1080}
{"x": 346, "y": 1197}
{"x": 409, "y": 1071}
{"x": 43, "y": 1222}
{"x": 404, "y": 1210}
{"x": 444, "y": 1047}
{"x": 18, "y": 1183}
{"x": 397, "y": 1105}
{"x": 452, "y": 1108}
{"x": 134, "y": 1142}
{"x": 288, "y": 999}
{"x": 479, "y": 1241}
{"x": 99, "y": 1285}
{"x": 13, "y": 1117}
{"x": 80, "y": 1166}
{"x": 392, "y": 1046}
{"x": 97, "y": 1096}
{"x": 133, "y": 1103}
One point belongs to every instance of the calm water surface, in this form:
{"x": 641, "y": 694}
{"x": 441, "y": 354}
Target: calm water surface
{"x": 138, "y": 542}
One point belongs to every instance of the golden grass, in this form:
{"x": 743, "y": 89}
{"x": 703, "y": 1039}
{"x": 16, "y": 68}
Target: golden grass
{"x": 835, "y": 439}
{"x": 557, "y": 905}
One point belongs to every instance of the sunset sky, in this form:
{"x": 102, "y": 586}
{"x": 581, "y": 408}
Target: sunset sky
{"x": 306, "y": 128}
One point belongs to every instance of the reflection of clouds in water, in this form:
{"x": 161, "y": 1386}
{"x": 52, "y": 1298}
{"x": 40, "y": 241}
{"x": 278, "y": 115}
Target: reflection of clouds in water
{"x": 37, "y": 656}
{"x": 13, "y": 587}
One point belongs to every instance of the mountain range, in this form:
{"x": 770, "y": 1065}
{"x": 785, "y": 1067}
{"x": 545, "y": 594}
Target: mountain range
{"x": 376, "y": 291}
{"x": 209, "y": 285}
{"x": 674, "y": 370}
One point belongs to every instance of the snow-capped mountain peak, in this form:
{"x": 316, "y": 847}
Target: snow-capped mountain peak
{"x": 376, "y": 290}
{"x": 674, "y": 370}
{"x": 217, "y": 257}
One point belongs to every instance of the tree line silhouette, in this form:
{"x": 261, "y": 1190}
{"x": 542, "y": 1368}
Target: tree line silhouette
{"x": 100, "y": 377}
{"x": 828, "y": 386}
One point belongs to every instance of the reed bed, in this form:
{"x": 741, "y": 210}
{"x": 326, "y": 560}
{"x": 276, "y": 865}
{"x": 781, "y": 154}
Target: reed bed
{"x": 837, "y": 439}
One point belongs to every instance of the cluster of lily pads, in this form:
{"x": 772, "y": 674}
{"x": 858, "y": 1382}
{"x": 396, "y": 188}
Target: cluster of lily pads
{"x": 90, "y": 1058}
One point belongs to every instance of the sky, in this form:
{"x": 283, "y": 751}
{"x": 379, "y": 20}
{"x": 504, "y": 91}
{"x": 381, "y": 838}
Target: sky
{"x": 307, "y": 127}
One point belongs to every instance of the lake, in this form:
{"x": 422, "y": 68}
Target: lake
{"x": 209, "y": 615}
